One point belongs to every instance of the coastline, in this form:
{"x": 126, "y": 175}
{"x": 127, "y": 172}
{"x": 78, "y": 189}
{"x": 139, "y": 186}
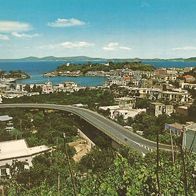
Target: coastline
{"x": 38, "y": 68}
{"x": 86, "y": 81}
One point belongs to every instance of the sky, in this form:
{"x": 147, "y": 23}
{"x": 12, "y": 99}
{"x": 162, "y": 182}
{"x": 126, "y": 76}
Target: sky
{"x": 98, "y": 28}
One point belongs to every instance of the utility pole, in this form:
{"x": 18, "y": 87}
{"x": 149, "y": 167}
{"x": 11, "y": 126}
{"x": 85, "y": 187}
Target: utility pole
{"x": 157, "y": 169}
{"x": 172, "y": 145}
{"x": 183, "y": 164}
{"x": 58, "y": 184}
{"x": 69, "y": 166}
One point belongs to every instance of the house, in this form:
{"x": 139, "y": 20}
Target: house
{"x": 189, "y": 138}
{"x": 111, "y": 110}
{"x": 174, "y": 128}
{"x": 20, "y": 87}
{"x": 5, "y": 118}
{"x": 8, "y": 122}
{"x": 14, "y": 93}
{"x": 157, "y": 109}
{"x": 126, "y": 102}
{"x": 47, "y": 88}
{"x": 116, "y": 111}
{"x": 172, "y": 71}
{"x": 17, "y": 150}
{"x": 176, "y": 95}
{"x": 70, "y": 86}
{"x": 189, "y": 78}
{"x": 182, "y": 110}
{"x": 161, "y": 71}
{"x": 187, "y": 69}
{"x": 131, "y": 113}
{"x": 151, "y": 93}
{"x": 66, "y": 87}
{"x": 184, "y": 85}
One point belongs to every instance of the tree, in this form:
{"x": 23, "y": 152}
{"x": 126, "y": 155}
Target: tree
{"x": 16, "y": 134}
{"x": 192, "y": 111}
{"x": 142, "y": 103}
{"x": 27, "y": 88}
{"x": 36, "y": 88}
{"x": 120, "y": 119}
{"x": 130, "y": 121}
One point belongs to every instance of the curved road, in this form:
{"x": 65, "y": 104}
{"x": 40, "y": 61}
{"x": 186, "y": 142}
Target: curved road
{"x": 115, "y": 131}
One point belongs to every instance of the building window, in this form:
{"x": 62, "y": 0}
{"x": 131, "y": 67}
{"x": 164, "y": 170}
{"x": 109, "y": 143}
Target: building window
{"x": 3, "y": 172}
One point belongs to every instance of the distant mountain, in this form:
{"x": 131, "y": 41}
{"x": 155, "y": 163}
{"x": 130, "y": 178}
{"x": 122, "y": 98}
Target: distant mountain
{"x": 53, "y": 58}
{"x": 91, "y": 59}
{"x": 191, "y": 59}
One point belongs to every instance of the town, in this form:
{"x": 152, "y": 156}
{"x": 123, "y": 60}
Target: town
{"x": 138, "y": 100}
{"x": 169, "y": 91}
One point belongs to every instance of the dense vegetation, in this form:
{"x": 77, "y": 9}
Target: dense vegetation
{"x": 14, "y": 74}
{"x": 150, "y": 124}
{"x": 104, "y": 171}
{"x": 90, "y": 97}
{"x": 192, "y": 111}
{"x": 102, "y": 67}
{"x": 38, "y": 126}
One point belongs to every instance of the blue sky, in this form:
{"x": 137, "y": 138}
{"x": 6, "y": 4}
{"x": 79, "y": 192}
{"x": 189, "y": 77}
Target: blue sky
{"x": 98, "y": 28}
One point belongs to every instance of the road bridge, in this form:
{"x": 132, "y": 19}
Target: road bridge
{"x": 115, "y": 131}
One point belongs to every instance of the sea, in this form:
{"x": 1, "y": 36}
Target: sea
{"x": 38, "y": 68}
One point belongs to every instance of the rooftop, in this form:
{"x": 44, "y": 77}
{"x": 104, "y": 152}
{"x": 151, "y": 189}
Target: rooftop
{"x": 5, "y": 118}
{"x": 188, "y": 76}
{"x": 19, "y": 148}
{"x": 176, "y": 125}
{"x": 124, "y": 99}
{"x": 113, "y": 107}
{"x": 183, "y": 107}
{"x": 157, "y": 103}
{"x": 192, "y": 127}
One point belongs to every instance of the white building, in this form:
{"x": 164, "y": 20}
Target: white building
{"x": 157, "y": 109}
{"x": 17, "y": 150}
{"x": 187, "y": 85}
{"x": 116, "y": 111}
{"x": 47, "y": 88}
{"x": 8, "y": 120}
{"x": 126, "y": 102}
{"x": 189, "y": 138}
{"x": 13, "y": 93}
{"x": 5, "y": 118}
{"x": 177, "y": 95}
{"x": 131, "y": 113}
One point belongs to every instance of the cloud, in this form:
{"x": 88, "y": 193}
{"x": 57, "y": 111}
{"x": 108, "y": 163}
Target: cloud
{"x": 14, "y": 26}
{"x": 81, "y": 44}
{"x": 63, "y": 22}
{"x": 4, "y": 37}
{"x": 24, "y": 35}
{"x": 124, "y": 48}
{"x": 68, "y": 45}
{"x": 186, "y": 48}
{"x": 112, "y": 46}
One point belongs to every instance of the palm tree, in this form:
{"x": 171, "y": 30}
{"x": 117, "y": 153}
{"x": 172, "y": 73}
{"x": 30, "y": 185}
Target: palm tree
{"x": 16, "y": 133}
